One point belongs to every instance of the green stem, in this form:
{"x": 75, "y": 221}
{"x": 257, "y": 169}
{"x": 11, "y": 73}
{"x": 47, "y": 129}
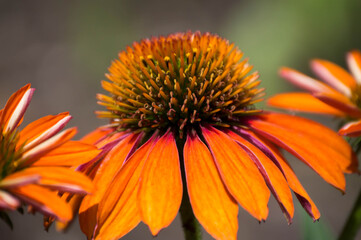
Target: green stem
{"x": 191, "y": 227}
{"x": 353, "y": 222}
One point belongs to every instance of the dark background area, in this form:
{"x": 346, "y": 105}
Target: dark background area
{"x": 63, "y": 48}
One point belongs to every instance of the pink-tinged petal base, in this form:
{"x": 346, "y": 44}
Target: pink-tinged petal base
{"x": 352, "y": 129}
{"x": 334, "y": 75}
{"x": 354, "y": 64}
{"x": 8, "y": 201}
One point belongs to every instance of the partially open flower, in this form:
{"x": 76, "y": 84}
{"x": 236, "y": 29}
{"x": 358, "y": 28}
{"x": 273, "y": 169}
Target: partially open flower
{"x": 340, "y": 95}
{"x": 36, "y": 161}
{"x": 181, "y": 110}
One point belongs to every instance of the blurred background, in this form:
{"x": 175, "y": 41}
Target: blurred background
{"x": 63, "y": 48}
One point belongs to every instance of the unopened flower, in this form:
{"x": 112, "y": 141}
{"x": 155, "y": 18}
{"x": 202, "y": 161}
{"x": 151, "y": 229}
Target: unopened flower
{"x": 35, "y": 162}
{"x": 185, "y": 104}
{"x": 339, "y": 94}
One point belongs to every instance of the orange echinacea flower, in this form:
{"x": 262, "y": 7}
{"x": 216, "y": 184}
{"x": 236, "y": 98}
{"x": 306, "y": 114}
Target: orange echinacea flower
{"x": 184, "y": 104}
{"x": 340, "y": 95}
{"x": 35, "y": 162}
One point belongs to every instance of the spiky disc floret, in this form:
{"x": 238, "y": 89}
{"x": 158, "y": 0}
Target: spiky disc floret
{"x": 179, "y": 81}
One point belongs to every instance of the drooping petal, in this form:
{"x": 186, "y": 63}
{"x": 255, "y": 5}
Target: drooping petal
{"x": 109, "y": 166}
{"x": 15, "y": 108}
{"x": 212, "y": 205}
{"x": 272, "y": 175}
{"x": 317, "y": 132}
{"x": 319, "y": 157}
{"x": 72, "y": 153}
{"x": 303, "y": 81}
{"x": 34, "y": 153}
{"x": 60, "y": 178}
{"x": 160, "y": 191}
{"x": 8, "y": 201}
{"x": 340, "y": 102}
{"x": 44, "y": 200}
{"x": 118, "y": 213}
{"x": 239, "y": 173}
{"x": 334, "y": 75}
{"x": 352, "y": 129}
{"x": 303, "y": 102}
{"x": 272, "y": 152}
{"x": 42, "y": 129}
{"x": 354, "y": 64}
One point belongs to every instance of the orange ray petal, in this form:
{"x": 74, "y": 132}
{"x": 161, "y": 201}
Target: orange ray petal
{"x": 60, "y": 178}
{"x": 160, "y": 191}
{"x": 72, "y": 153}
{"x": 283, "y": 165}
{"x": 74, "y": 204}
{"x": 352, "y": 129}
{"x": 109, "y": 166}
{"x": 305, "y": 82}
{"x": 212, "y": 205}
{"x": 303, "y": 102}
{"x": 239, "y": 173}
{"x": 44, "y": 200}
{"x": 340, "y": 102}
{"x": 354, "y": 64}
{"x": 319, "y": 157}
{"x": 42, "y": 129}
{"x": 96, "y": 135}
{"x": 15, "y": 108}
{"x": 118, "y": 213}
{"x": 334, "y": 75}
{"x": 8, "y": 201}
{"x": 19, "y": 179}
{"x": 322, "y": 134}
{"x": 36, "y": 152}
{"x": 272, "y": 175}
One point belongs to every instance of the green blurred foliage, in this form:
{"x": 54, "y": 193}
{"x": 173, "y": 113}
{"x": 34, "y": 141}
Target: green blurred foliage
{"x": 290, "y": 33}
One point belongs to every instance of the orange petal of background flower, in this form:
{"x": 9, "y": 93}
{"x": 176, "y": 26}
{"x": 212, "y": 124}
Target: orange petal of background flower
{"x": 44, "y": 200}
{"x": 8, "y": 201}
{"x": 323, "y": 135}
{"x": 272, "y": 175}
{"x": 60, "y": 178}
{"x": 352, "y": 129}
{"x": 160, "y": 191}
{"x": 340, "y": 102}
{"x": 42, "y": 129}
{"x": 118, "y": 213}
{"x": 19, "y": 179}
{"x": 292, "y": 180}
{"x": 15, "y": 108}
{"x": 319, "y": 157}
{"x": 72, "y": 153}
{"x": 109, "y": 166}
{"x": 354, "y": 64}
{"x": 36, "y": 152}
{"x": 239, "y": 173}
{"x": 212, "y": 205}
{"x": 334, "y": 75}
{"x": 302, "y": 102}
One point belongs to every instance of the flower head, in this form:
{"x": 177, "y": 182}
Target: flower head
{"x": 184, "y": 104}
{"x": 36, "y": 161}
{"x": 339, "y": 94}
